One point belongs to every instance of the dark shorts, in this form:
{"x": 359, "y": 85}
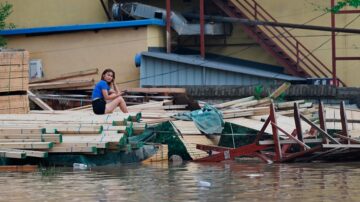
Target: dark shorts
{"x": 99, "y": 106}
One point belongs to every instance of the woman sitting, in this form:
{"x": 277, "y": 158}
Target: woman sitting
{"x": 105, "y": 99}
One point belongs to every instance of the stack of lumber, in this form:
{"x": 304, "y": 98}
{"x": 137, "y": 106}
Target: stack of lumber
{"x": 14, "y": 81}
{"x": 333, "y": 118}
{"x": 40, "y": 134}
{"x": 70, "y": 81}
{"x": 135, "y": 96}
{"x": 250, "y": 106}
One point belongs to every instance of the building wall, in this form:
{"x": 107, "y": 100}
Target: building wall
{"x": 40, "y": 13}
{"x": 29, "y": 13}
{"x": 347, "y": 45}
{"x": 70, "y": 52}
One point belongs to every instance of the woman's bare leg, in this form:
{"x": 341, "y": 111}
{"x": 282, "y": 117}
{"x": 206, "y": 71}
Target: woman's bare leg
{"x": 119, "y": 101}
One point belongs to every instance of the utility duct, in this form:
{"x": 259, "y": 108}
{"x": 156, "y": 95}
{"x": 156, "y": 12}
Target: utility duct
{"x": 178, "y": 22}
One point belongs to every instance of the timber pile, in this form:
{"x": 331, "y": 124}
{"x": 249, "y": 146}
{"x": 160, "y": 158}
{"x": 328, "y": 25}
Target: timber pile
{"x": 14, "y": 79}
{"x": 37, "y": 135}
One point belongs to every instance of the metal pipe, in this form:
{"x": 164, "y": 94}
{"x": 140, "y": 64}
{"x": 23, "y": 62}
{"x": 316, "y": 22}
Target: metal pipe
{"x": 168, "y": 26}
{"x": 202, "y": 29}
{"x": 278, "y": 24}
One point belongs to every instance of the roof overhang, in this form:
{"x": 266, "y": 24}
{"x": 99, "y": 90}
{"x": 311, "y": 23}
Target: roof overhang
{"x": 81, "y": 27}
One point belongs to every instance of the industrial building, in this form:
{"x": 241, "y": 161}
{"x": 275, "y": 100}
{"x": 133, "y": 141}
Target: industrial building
{"x": 77, "y": 35}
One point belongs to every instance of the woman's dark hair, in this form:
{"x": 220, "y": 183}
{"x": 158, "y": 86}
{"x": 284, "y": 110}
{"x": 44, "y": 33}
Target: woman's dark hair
{"x": 106, "y": 71}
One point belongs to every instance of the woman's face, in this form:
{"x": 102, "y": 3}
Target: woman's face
{"x": 108, "y": 77}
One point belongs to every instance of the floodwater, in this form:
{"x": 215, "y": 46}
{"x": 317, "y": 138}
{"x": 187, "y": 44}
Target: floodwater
{"x": 230, "y": 181}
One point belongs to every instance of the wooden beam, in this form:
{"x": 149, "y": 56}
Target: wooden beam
{"x": 38, "y": 101}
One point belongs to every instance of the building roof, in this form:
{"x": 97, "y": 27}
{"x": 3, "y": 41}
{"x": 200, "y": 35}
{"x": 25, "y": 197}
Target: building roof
{"x": 242, "y": 68}
{"x": 81, "y": 27}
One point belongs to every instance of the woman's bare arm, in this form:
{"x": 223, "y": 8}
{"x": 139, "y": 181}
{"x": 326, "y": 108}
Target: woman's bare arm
{"x": 111, "y": 96}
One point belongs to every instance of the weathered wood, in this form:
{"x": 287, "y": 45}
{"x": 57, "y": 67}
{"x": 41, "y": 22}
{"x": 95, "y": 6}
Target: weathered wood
{"x": 27, "y": 145}
{"x": 155, "y": 90}
{"x": 12, "y": 154}
{"x": 279, "y": 90}
{"x": 24, "y": 168}
{"x": 233, "y": 102}
{"x": 38, "y": 101}
{"x": 62, "y": 84}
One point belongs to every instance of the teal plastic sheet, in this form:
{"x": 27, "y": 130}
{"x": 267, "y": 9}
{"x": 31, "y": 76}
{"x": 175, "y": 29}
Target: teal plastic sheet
{"x": 208, "y": 119}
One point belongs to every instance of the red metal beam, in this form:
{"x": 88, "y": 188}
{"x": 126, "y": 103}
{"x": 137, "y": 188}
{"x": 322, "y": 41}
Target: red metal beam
{"x": 278, "y": 154}
{"x": 232, "y": 153}
{"x": 212, "y": 148}
{"x": 333, "y": 45}
{"x": 347, "y": 58}
{"x": 202, "y": 29}
{"x": 168, "y": 26}
{"x": 348, "y": 12}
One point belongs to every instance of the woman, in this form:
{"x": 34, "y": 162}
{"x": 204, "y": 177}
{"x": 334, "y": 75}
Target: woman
{"x": 105, "y": 99}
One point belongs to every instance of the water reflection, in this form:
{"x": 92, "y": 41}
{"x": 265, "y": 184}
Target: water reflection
{"x": 229, "y": 181}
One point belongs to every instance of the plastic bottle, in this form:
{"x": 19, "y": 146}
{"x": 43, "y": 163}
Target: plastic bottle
{"x": 80, "y": 166}
{"x": 204, "y": 184}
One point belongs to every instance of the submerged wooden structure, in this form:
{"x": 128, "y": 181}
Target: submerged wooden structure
{"x": 284, "y": 146}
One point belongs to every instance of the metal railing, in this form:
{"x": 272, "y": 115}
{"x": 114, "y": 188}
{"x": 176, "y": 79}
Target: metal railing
{"x": 303, "y": 58}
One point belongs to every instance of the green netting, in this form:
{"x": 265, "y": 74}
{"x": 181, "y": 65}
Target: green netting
{"x": 163, "y": 133}
{"x": 235, "y": 136}
{"x": 208, "y": 119}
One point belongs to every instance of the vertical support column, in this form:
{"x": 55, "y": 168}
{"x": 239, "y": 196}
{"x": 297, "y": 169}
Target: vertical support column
{"x": 344, "y": 125}
{"x": 168, "y": 26}
{"x": 298, "y": 124}
{"x": 333, "y": 45}
{"x": 278, "y": 154}
{"x": 202, "y": 29}
{"x": 322, "y": 121}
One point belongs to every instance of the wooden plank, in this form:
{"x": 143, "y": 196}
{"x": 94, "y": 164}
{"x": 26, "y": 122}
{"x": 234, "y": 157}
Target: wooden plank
{"x": 279, "y": 90}
{"x": 61, "y": 84}
{"x": 233, "y": 102}
{"x": 186, "y": 127}
{"x": 11, "y": 57}
{"x": 6, "y": 69}
{"x": 75, "y": 149}
{"x": 290, "y": 141}
{"x": 101, "y": 145}
{"x": 38, "y": 101}
{"x": 17, "y": 130}
{"x": 253, "y": 103}
{"x": 341, "y": 145}
{"x": 27, "y": 145}
{"x": 12, "y": 154}
{"x": 155, "y": 90}
{"x": 24, "y": 168}
{"x": 68, "y": 76}
{"x": 29, "y": 153}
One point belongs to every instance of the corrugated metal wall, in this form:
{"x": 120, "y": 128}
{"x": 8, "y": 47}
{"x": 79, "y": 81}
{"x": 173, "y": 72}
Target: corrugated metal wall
{"x": 158, "y": 72}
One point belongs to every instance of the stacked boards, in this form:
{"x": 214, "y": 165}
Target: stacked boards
{"x": 14, "y": 81}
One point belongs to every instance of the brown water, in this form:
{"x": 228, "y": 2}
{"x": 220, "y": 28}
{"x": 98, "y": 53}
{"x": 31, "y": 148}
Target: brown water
{"x": 188, "y": 182}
